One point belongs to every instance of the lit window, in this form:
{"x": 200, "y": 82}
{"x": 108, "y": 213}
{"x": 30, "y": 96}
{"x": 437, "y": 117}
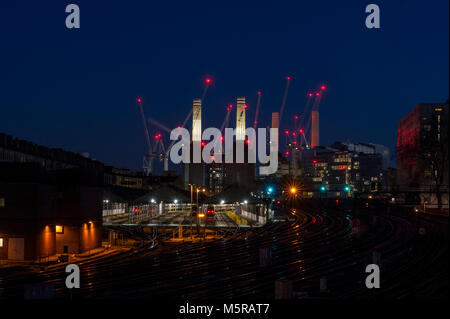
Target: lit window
{"x": 2, "y": 202}
{"x": 59, "y": 229}
{"x": 1, "y": 242}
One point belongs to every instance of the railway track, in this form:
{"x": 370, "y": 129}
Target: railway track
{"x": 313, "y": 244}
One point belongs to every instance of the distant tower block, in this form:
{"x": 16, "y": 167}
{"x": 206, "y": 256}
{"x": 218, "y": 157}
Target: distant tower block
{"x": 197, "y": 120}
{"x": 240, "y": 119}
{"x": 275, "y": 120}
{"x": 314, "y": 128}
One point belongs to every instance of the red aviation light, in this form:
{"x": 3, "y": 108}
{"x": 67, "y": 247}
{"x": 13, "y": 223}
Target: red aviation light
{"x": 288, "y": 78}
{"x": 300, "y": 130}
{"x": 208, "y": 80}
{"x": 293, "y": 133}
{"x": 245, "y": 106}
{"x": 259, "y": 92}
{"x": 295, "y": 142}
{"x": 222, "y": 138}
{"x": 318, "y": 94}
{"x": 256, "y": 122}
{"x": 247, "y": 141}
{"x": 296, "y": 117}
{"x": 286, "y": 132}
{"x": 323, "y": 87}
{"x": 287, "y": 153}
{"x": 179, "y": 126}
{"x": 139, "y": 100}
{"x": 310, "y": 94}
{"x": 314, "y": 161}
{"x": 202, "y": 143}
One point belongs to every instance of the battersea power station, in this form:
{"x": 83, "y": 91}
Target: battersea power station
{"x": 217, "y": 175}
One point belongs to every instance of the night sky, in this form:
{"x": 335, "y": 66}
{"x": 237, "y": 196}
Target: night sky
{"x": 76, "y": 89}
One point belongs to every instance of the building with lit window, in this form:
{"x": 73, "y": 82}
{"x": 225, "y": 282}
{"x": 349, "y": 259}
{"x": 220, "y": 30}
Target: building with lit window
{"x": 43, "y": 213}
{"x": 422, "y": 155}
{"x": 345, "y": 169}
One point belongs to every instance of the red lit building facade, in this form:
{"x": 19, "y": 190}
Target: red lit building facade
{"x": 422, "y": 154}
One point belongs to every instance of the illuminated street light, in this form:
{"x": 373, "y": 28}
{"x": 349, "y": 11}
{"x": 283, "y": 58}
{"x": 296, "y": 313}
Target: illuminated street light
{"x": 293, "y": 190}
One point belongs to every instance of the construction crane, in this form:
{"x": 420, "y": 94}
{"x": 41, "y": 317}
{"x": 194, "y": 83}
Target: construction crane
{"x": 283, "y": 101}
{"x": 258, "y": 103}
{"x": 148, "y": 159}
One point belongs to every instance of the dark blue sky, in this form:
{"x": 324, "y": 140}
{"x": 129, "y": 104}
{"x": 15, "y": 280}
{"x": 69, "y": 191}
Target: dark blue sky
{"x": 76, "y": 89}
